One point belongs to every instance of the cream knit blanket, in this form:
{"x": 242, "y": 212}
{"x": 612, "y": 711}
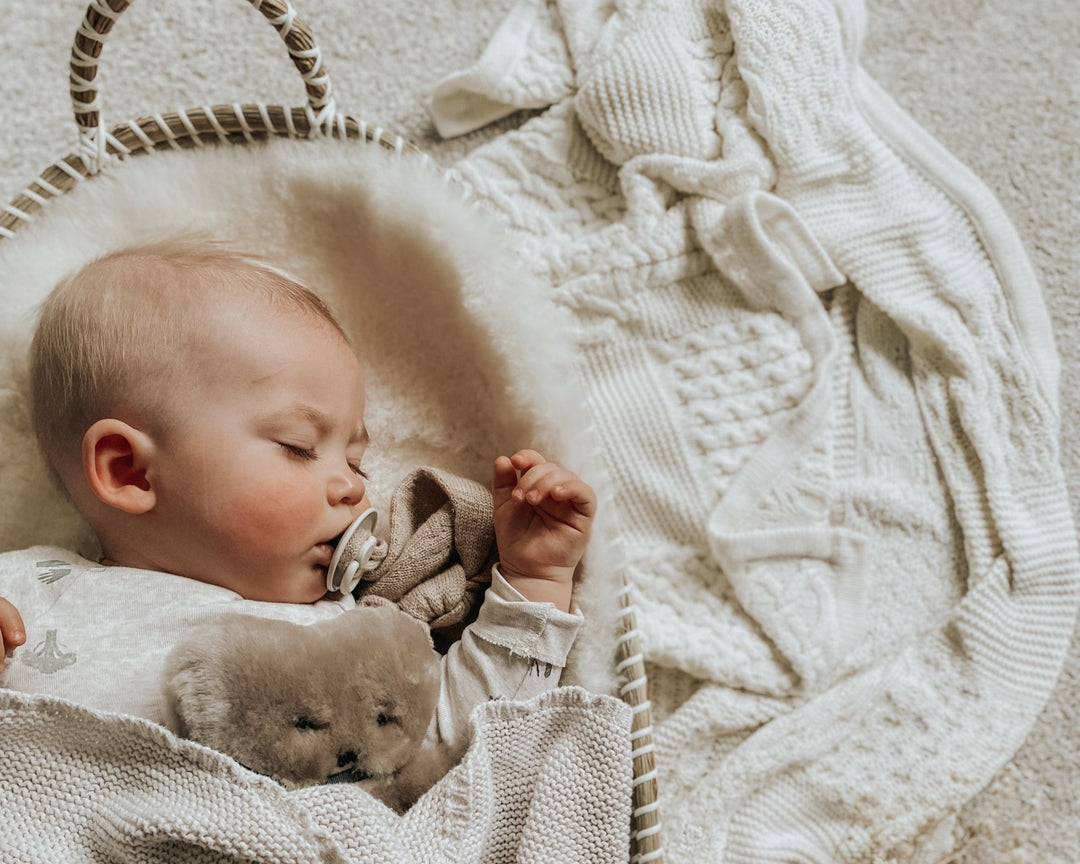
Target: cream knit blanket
{"x": 822, "y": 374}
{"x": 542, "y": 781}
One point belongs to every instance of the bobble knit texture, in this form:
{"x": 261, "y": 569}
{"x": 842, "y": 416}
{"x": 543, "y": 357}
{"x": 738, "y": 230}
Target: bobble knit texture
{"x": 551, "y": 773}
{"x": 829, "y": 412}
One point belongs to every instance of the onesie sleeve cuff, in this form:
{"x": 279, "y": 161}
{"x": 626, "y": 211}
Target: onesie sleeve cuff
{"x": 536, "y": 630}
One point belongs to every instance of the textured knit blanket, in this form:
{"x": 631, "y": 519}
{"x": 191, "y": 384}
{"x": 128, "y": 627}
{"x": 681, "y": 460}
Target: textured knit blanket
{"x": 542, "y": 781}
{"x": 437, "y": 557}
{"x": 822, "y": 376}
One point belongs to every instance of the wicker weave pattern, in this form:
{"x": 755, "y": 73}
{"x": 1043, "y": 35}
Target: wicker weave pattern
{"x": 196, "y": 127}
{"x": 645, "y": 830}
{"x": 99, "y": 147}
{"x": 102, "y": 14}
{"x": 253, "y": 122}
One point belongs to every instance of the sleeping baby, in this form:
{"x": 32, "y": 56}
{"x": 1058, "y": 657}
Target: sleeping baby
{"x": 205, "y": 414}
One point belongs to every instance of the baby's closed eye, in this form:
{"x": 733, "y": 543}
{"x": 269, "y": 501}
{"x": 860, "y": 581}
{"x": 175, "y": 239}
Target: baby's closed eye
{"x": 309, "y": 454}
{"x": 305, "y": 453}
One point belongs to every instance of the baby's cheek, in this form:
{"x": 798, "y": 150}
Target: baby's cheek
{"x": 275, "y": 511}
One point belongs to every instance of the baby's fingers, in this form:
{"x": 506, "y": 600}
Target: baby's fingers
{"x": 503, "y": 480}
{"x": 560, "y": 485}
{"x": 526, "y": 459}
{"x": 12, "y": 629}
{"x": 504, "y": 474}
{"x": 538, "y": 481}
{"x": 577, "y": 492}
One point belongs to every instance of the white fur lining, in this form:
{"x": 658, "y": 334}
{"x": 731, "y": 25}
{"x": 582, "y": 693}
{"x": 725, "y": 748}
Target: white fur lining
{"x": 464, "y": 354}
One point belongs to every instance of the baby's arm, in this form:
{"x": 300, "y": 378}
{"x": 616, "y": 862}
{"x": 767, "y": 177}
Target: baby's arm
{"x": 543, "y": 518}
{"x": 12, "y": 629}
{"x": 517, "y": 647}
{"x": 515, "y": 650}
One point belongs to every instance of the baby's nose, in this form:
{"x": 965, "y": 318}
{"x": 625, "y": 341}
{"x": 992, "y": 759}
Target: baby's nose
{"x": 347, "y": 488}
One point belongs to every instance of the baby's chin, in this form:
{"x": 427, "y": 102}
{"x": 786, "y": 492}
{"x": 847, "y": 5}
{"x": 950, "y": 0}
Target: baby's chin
{"x": 308, "y": 587}
{"x": 302, "y": 585}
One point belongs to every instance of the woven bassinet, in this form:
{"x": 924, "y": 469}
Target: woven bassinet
{"x": 102, "y": 149}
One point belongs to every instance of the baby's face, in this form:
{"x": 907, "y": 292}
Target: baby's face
{"x": 261, "y": 472}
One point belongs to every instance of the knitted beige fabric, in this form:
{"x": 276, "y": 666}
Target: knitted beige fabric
{"x": 440, "y": 548}
{"x": 546, "y": 780}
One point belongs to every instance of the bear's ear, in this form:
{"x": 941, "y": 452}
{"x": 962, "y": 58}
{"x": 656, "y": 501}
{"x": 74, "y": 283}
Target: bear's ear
{"x": 195, "y": 683}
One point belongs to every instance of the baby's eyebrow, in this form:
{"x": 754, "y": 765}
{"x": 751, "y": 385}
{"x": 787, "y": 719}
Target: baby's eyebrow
{"x": 322, "y": 423}
{"x": 312, "y": 415}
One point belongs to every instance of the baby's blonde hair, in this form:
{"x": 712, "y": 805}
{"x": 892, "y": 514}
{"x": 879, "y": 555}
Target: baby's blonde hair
{"x": 109, "y": 336}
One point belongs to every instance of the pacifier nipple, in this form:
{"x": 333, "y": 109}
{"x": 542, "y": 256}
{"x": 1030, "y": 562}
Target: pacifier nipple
{"x": 355, "y": 554}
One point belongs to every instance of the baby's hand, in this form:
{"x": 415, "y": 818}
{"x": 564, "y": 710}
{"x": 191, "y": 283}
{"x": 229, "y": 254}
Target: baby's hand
{"x": 12, "y": 629}
{"x": 543, "y": 519}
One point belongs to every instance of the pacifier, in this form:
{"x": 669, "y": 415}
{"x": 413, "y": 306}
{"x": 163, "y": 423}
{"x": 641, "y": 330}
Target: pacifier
{"x": 354, "y": 554}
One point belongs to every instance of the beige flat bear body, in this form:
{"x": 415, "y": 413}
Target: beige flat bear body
{"x": 344, "y": 700}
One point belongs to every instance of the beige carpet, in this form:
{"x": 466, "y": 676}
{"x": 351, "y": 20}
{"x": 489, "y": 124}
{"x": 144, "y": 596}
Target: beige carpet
{"x": 998, "y": 82}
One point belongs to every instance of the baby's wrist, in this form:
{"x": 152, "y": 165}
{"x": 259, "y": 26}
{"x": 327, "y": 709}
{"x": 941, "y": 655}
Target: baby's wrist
{"x": 551, "y": 585}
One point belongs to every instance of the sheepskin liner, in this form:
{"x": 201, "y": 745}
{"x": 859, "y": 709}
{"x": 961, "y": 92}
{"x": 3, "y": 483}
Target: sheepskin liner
{"x": 465, "y": 357}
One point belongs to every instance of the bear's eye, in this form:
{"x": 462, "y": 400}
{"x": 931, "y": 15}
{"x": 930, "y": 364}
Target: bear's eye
{"x": 384, "y": 719}
{"x": 307, "y": 724}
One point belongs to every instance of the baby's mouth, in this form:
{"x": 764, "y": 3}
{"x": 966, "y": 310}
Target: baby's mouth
{"x": 325, "y": 552}
{"x": 354, "y": 553}
{"x": 325, "y": 549}
{"x": 333, "y": 541}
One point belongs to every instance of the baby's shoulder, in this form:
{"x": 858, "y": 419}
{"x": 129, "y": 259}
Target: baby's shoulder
{"x": 34, "y": 579}
{"x": 43, "y": 559}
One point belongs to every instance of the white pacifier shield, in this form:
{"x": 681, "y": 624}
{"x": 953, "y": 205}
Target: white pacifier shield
{"x": 345, "y": 571}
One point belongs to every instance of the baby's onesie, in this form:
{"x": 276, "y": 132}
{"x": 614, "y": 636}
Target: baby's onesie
{"x": 99, "y": 634}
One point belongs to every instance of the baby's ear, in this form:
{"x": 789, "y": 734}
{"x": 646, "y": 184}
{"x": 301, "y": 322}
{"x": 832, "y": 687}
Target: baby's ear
{"x": 115, "y": 458}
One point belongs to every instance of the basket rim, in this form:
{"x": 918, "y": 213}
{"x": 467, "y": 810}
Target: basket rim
{"x": 202, "y": 126}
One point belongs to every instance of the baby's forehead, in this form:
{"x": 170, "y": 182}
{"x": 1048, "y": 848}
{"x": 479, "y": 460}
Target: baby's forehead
{"x": 154, "y": 282}
{"x": 186, "y": 298}
{"x": 197, "y": 283}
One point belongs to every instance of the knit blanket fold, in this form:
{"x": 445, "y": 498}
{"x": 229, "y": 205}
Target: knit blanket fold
{"x": 543, "y": 780}
{"x": 828, "y": 408}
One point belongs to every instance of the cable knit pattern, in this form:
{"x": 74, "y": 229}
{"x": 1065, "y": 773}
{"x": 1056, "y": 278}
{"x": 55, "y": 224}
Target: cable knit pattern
{"x": 660, "y": 69}
{"x": 833, "y": 439}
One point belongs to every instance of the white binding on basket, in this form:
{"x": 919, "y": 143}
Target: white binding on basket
{"x": 95, "y": 141}
{"x": 630, "y": 638}
{"x": 322, "y": 113}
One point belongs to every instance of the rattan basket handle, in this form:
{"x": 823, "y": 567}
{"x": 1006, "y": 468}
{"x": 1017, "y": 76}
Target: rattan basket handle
{"x": 102, "y": 14}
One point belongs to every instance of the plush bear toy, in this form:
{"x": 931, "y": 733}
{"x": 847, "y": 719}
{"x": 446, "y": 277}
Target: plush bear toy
{"x": 344, "y": 700}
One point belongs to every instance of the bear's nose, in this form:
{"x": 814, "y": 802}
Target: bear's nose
{"x": 346, "y": 757}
